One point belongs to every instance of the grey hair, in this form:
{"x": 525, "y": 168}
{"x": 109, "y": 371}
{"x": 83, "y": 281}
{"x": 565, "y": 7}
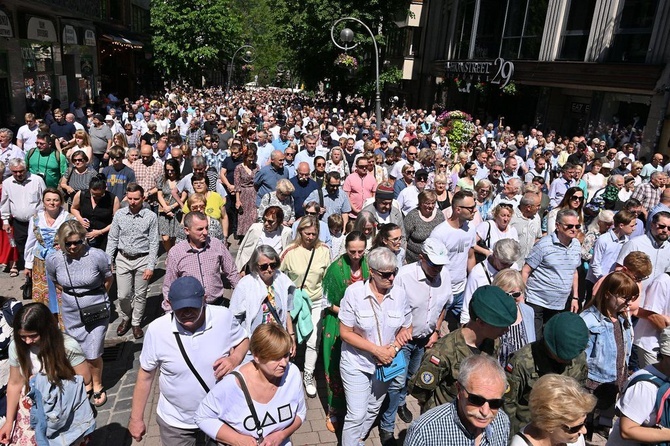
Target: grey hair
{"x": 199, "y": 160}
{"x": 528, "y": 199}
{"x": 8, "y": 132}
{"x": 507, "y": 250}
{"x": 515, "y": 182}
{"x": 17, "y": 162}
{"x": 382, "y": 258}
{"x": 563, "y": 213}
{"x": 656, "y": 174}
{"x": 262, "y": 250}
{"x": 483, "y": 364}
{"x": 612, "y": 180}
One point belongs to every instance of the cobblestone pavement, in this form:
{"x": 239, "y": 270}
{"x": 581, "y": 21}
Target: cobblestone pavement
{"x": 121, "y": 363}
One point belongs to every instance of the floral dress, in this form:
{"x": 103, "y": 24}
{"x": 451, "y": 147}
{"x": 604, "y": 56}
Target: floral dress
{"x": 244, "y": 183}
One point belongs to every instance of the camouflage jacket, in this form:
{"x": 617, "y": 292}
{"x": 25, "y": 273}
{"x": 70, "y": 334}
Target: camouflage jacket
{"x": 435, "y": 381}
{"x": 524, "y": 368}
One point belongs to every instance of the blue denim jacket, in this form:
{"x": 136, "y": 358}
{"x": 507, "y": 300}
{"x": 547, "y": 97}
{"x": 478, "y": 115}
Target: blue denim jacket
{"x": 601, "y": 349}
{"x": 59, "y": 417}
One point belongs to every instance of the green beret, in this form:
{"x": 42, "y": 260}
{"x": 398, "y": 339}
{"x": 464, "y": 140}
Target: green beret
{"x": 493, "y": 306}
{"x": 566, "y": 335}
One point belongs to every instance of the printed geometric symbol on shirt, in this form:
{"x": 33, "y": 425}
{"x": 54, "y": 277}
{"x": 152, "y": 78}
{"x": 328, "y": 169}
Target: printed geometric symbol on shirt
{"x": 250, "y": 424}
{"x": 427, "y": 378}
{"x": 285, "y": 413}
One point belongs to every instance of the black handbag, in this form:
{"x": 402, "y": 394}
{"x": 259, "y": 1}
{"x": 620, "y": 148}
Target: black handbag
{"x": 91, "y": 313}
{"x": 483, "y": 244}
{"x": 28, "y": 288}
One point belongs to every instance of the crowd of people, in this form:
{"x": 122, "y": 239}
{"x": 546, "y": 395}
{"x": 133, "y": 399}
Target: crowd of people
{"x": 511, "y": 283}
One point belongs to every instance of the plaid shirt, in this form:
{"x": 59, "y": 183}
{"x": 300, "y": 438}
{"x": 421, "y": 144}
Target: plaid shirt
{"x": 147, "y": 176}
{"x": 193, "y": 137}
{"x": 648, "y": 194}
{"x": 206, "y": 265}
{"x": 215, "y": 160}
{"x": 442, "y": 422}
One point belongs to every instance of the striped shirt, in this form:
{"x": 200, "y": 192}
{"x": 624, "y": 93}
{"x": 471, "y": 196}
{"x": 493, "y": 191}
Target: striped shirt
{"x": 442, "y": 422}
{"x": 134, "y": 234}
{"x": 553, "y": 267}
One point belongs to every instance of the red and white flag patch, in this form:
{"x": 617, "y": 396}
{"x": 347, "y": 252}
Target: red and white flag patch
{"x": 435, "y": 360}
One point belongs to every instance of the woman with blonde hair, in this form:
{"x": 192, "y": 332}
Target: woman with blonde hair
{"x": 305, "y": 262}
{"x": 81, "y": 142}
{"x": 558, "y": 409}
{"x": 337, "y": 163}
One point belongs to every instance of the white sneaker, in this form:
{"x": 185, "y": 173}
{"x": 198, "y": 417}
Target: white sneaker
{"x": 310, "y": 385}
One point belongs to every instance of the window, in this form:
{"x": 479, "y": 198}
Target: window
{"x": 577, "y": 29}
{"x": 140, "y": 19}
{"x": 464, "y": 21}
{"x": 632, "y": 36}
{"x": 524, "y": 24}
{"x": 489, "y": 29}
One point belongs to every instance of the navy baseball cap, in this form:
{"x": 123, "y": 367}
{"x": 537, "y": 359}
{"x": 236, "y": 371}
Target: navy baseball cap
{"x": 186, "y": 292}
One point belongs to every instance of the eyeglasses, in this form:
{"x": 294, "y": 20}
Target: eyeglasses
{"x": 78, "y": 160}
{"x": 479, "y": 401}
{"x": 74, "y": 243}
{"x": 577, "y": 226}
{"x": 576, "y": 198}
{"x": 641, "y": 278}
{"x": 266, "y": 266}
{"x": 573, "y": 429}
{"x": 386, "y": 274}
{"x": 442, "y": 165}
{"x": 469, "y": 208}
{"x": 515, "y": 294}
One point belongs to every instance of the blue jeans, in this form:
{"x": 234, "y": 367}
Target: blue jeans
{"x": 456, "y": 306}
{"x": 397, "y": 392}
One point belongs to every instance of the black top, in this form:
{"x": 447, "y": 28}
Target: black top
{"x": 100, "y": 216}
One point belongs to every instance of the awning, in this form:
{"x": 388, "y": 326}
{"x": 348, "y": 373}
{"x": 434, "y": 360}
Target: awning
{"x": 122, "y": 41}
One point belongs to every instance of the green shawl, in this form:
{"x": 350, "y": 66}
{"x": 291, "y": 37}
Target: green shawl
{"x": 338, "y": 276}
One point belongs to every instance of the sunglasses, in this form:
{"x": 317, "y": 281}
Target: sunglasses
{"x": 573, "y": 429}
{"x": 78, "y": 160}
{"x": 77, "y": 243}
{"x": 266, "y": 266}
{"x": 577, "y": 226}
{"x": 576, "y": 198}
{"x": 660, "y": 226}
{"x": 311, "y": 213}
{"x": 442, "y": 165}
{"x": 469, "y": 208}
{"x": 422, "y": 179}
{"x": 410, "y": 172}
{"x": 515, "y": 294}
{"x": 116, "y": 157}
{"x": 320, "y": 164}
{"x": 496, "y": 171}
{"x": 386, "y": 274}
{"x": 479, "y": 401}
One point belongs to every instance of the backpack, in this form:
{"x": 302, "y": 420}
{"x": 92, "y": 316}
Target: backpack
{"x": 662, "y": 405}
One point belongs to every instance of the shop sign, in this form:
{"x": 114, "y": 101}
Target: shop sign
{"x": 497, "y": 72}
{"x": 69, "y": 35}
{"x": 580, "y": 108}
{"x": 41, "y": 29}
{"x": 89, "y": 37}
{"x": 5, "y": 26}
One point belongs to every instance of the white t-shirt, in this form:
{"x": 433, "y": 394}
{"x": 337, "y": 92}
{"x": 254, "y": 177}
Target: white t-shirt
{"x": 518, "y": 441}
{"x": 656, "y": 300}
{"x": 458, "y": 242}
{"x": 226, "y": 403}
{"x": 496, "y": 233}
{"x": 29, "y": 137}
{"x": 180, "y": 391}
{"x": 637, "y": 404}
{"x": 72, "y": 349}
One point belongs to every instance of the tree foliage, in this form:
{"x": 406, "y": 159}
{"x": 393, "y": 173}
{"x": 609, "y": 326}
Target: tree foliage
{"x": 189, "y": 37}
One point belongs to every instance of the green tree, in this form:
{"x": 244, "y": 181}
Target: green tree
{"x": 192, "y": 36}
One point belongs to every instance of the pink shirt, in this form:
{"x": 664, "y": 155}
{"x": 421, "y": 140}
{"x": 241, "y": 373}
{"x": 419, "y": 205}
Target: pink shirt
{"x": 359, "y": 189}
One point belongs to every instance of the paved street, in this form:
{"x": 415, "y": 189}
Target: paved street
{"x": 121, "y": 362}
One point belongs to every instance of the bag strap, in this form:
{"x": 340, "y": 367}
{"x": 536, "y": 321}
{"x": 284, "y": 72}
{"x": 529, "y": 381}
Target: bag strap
{"x": 320, "y": 189}
{"x": 486, "y": 271}
{"x": 272, "y": 310}
{"x": 250, "y": 403}
{"x": 524, "y": 438}
{"x": 379, "y": 332}
{"x": 488, "y": 236}
{"x": 311, "y": 257}
{"x": 189, "y": 363}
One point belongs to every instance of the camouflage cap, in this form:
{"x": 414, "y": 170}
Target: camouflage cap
{"x": 566, "y": 335}
{"x": 493, "y": 306}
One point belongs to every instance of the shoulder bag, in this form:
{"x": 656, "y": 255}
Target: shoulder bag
{"x": 189, "y": 363}
{"x": 386, "y": 373}
{"x": 250, "y": 403}
{"x": 91, "y": 313}
{"x": 483, "y": 244}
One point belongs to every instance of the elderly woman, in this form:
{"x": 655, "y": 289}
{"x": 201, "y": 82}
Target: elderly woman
{"x": 389, "y": 235}
{"x": 594, "y": 180}
{"x": 42, "y": 229}
{"x": 305, "y": 262}
{"x": 282, "y": 197}
{"x": 197, "y": 202}
{"x": 484, "y": 196}
{"x": 270, "y": 382}
{"x": 420, "y": 222}
{"x": 558, "y": 409}
{"x": 270, "y": 232}
{"x": 265, "y": 295}
{"x": 336, "y": 163}
{"x": 441, "y": 190}
{"x": 610, "y": 340}
{"x": 349, "y": 268}
{"x": 94, "y": 208}
{"x": 489, "y": 232}
{"x": 522, "y": 331}
{"x": 78, "y": 176}
{"x": 85, "y": 275}
{"x": 373, "y": 327}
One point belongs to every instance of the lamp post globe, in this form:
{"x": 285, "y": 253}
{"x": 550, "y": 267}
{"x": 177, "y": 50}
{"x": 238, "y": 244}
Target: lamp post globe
{"x": 347, "y": 35}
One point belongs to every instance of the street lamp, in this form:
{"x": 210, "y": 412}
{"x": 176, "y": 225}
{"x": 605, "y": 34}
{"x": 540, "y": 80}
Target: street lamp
{"x": 347, "y": 36}
{"x": 247, "y": 57}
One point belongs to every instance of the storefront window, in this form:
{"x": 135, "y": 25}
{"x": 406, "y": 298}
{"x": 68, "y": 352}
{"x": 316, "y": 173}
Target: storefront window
{"x": 36, "y": 56}
{"x": 489, "y": 29}
{"x": 524, "y": 24}
{"x": 577, "y": 29}
{"x": 632, "y": 36}
{"x": 464, "y": 22}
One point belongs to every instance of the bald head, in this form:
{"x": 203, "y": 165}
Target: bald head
{"x": 303, "y": 168}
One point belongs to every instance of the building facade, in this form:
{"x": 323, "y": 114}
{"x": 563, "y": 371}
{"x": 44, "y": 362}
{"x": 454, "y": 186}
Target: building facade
{"x": 569, "y": 65}
{"x": 63, "y": 51}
